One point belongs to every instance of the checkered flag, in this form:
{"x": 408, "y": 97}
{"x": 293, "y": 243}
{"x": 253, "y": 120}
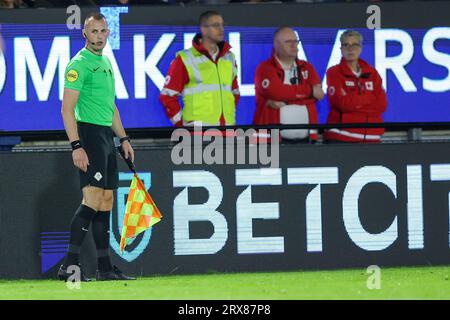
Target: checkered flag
{"x": 141, "y": 212}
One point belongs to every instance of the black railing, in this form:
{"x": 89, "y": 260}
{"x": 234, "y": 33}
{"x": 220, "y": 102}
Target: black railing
{"x": 165, "y": 132}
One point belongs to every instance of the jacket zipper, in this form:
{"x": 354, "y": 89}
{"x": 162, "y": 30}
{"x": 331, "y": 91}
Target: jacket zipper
{"x": 367, "y": 118}
{"x": 220, "y": 88}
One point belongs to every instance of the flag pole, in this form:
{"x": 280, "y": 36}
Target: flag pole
{"x": 128, "y": 161}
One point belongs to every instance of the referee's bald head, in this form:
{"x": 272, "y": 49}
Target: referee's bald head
{"x": 94, "y": 16}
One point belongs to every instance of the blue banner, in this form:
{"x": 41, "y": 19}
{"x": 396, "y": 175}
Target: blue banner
{"x": 414, "y": 65}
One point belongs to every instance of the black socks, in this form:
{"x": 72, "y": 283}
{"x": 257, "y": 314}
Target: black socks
{"x": 100, "y": 231}
{"x": 78, "y": 230}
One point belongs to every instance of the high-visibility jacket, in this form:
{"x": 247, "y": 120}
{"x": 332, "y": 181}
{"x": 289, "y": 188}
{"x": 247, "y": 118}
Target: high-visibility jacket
{"x": 208, "y": 88}
{"x": 355, "y": 100}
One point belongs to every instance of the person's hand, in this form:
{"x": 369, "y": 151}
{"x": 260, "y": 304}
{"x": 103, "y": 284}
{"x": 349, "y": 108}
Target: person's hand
{"x": 128, "y": 150}
{"x": 275, "y": 104}
{"x": 318, "y": 92}
{"x": 80, "y": 159}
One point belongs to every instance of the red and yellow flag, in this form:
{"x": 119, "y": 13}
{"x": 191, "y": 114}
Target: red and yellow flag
{"x": 140, "y": 213}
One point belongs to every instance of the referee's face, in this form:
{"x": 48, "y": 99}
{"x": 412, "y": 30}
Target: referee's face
{"x": 96, "y": 33}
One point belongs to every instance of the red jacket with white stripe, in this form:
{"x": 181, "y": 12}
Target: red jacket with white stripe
{"x": 355, "y": 100}
{"x": 269, "y": 85}
{"x": 178, "y": 77}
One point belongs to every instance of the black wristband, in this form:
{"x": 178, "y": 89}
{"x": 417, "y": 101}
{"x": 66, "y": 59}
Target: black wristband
{"x": 126, "y": 138}
{"x": 76, "y": 145}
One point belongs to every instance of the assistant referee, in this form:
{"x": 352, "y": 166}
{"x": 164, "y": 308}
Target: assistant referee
{"x": 91, "y": 119}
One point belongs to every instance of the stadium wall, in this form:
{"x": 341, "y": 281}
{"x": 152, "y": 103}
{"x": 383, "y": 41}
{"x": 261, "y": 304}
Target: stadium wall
{"x": 421, "y": 14}
{"x": 325, "y": 207}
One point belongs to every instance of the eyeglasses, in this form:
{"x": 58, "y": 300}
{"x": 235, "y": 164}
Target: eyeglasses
{"x": 215, "y": 25}
{"x": 351, "y": 45}
{"x": 292, "y": 42}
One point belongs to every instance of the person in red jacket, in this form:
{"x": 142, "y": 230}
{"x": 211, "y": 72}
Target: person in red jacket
{"x": 355, "y": 94}
{"x": 210, "y": 43}
{"x": 287, "y": 89}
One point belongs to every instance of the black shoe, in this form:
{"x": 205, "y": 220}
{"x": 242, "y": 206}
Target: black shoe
{"x": 64, "y": 275}
{"x": 114, "y": 274}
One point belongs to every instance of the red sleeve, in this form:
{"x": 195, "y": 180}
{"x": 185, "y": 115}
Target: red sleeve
{"x": 379, "y": 104}
{"x": 176, "y": 79}
{"x": 271, "y": 86}
{"x": 314, "y": 78}
{"x": 236, "y": 93}
{"x": 341, "y": 99}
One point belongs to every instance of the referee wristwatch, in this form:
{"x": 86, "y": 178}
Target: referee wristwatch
{"x": 123, "y": 139}
{"x": 76, "y": 145}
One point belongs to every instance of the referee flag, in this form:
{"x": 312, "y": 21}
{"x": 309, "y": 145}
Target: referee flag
{"x": 140, "y": 213}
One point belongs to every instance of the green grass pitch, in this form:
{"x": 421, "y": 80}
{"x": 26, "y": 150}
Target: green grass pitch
{"x": 396, "y": 283}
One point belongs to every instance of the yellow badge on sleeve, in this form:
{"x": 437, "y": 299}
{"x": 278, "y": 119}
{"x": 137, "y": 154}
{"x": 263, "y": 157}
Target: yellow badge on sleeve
{"x": 72, "y": 76}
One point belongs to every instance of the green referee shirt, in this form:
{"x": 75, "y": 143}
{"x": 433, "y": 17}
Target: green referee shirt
{"x": 93, "y": 77}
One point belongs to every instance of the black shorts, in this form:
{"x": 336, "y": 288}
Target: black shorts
{"x": 98, "y": 142}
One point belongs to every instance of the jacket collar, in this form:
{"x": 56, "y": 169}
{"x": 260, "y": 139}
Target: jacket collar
{"x": 224, "y": 47}
{"x": 276, "y": 63}
{"x": 366, "y": 69}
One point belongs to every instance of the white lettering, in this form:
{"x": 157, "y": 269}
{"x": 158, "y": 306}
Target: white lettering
{"x": 246, "y": 90}
{"x": 352, "y": 222}
{"x": 415, "y": 206}
{"x": 397, "y": 63}
{"x": 436, "y": 57}
{"x": 335, "y": 57}
{"x": 144, "y": 66}
{"x": 25, "y": 59}
{"x": 184, "y": 213}
{"x": 441, "y": 172}
{"x": 2, "y": 70}
{"x": 316, "y": 176}
{"x": 247, "y": 211}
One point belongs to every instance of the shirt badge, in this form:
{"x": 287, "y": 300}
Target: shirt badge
{"x": 349, "y": 83}
{"x": 331, "y": 90}
{"x": 369, "y": 85}
{"x": 72, "y": 75}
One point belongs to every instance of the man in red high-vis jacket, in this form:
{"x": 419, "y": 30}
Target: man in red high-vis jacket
{"x": 211, "y": 53}
{"x": 287, "y": 88}
{"x": 355, "y": 94}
